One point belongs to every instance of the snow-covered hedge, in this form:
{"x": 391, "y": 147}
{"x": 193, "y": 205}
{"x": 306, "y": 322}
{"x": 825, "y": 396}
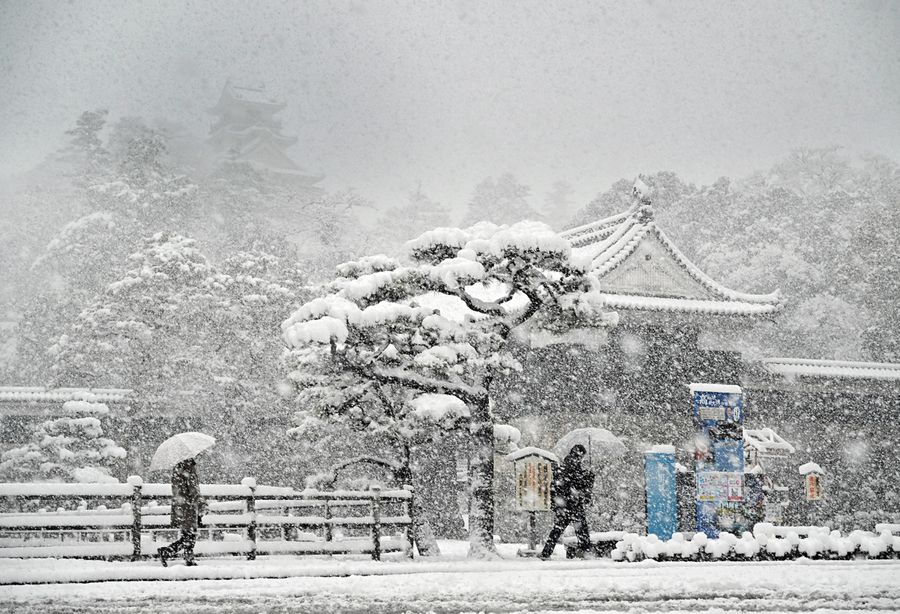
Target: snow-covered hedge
{"x": 766, "y": 542}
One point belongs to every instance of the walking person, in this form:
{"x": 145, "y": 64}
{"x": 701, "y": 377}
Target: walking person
{"x": 186, "y": 509}
{"x": 572, "y": 490}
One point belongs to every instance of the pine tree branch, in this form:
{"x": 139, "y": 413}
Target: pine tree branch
{"x": 467, "y": 394}
{"x": 494, "y": 308}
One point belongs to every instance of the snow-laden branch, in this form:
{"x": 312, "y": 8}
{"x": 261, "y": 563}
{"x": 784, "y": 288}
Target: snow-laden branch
{"x": 493, "y": 308}
{"x": 417, "y": 381}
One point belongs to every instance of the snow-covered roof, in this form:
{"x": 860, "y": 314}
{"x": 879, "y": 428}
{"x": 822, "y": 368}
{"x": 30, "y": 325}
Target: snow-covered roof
{"x": 247, "y": 94}
{"x": 709, "y": 387}
{"x": 40, "y": 393}
{"x": 810, "y": 467}
{"x": 766, "y": 441}
{"x": 591, "y": 233}
{"x": 808, "y": 367}
{"x": 641, "y": 269}
{"x": 532, "y": 451}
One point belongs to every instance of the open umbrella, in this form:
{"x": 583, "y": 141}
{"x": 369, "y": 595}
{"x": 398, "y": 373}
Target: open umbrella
{"x": 599, "y": 443}
{"x": 178, "y": 448}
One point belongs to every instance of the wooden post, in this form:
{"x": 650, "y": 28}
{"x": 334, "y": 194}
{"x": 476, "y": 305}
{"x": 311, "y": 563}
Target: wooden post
{"x": 532, "y": 530}
{"x": 251, "y": 510}
{"x": 328, "y": 532}
{"x": 376, "y": 523}
{"x": 410, "y": 528}
{"x": 136, "y": 484}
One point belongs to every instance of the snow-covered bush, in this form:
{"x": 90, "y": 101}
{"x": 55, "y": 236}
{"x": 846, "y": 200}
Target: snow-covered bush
{"x": 766, "y": 542}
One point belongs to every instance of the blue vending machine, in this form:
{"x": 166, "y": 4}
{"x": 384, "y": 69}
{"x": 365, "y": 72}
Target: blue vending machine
{"x": 719, "y": 455}
{"x": 659, "y": 480}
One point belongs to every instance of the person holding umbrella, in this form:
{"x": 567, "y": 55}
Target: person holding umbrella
{"x": 187, "y": 504}
{"x": 572, "y": 490}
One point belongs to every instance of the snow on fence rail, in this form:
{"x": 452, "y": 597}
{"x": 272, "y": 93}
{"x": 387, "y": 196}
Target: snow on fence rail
{"x": 246, "y": 507}
{"x": 766, "y": 542}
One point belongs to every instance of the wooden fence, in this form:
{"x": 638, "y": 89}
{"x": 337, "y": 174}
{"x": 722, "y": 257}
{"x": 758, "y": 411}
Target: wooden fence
{"x": 125, "y": 520}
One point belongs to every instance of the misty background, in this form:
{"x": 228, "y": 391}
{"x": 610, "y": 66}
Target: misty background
{"x": 388, "y": 96}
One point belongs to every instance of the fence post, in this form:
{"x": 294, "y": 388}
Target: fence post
{"x": 251, "y": 510}
{"x": 410, "y": 531}
{"x": 136, "y": 483}
{"x": 376, "y": 523}
{"x": 328, "y": 531}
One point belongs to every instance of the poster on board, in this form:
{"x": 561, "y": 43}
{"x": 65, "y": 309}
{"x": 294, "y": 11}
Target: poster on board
{"x": 534, "y": 476}
{"x": 720, "y": 487}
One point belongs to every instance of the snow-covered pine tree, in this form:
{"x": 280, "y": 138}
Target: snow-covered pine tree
{"x": 142, "y": 331}
{"x": 196, "y": 340}
{"x": 70, "y": 448}
{"x": 121, "y": 200}
{"x": 250, "y": 292}
{"x": 437, "y": 326}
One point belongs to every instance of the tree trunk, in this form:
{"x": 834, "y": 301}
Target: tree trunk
{"x": 423, "y": 536}
{"x": 481, "y": 482}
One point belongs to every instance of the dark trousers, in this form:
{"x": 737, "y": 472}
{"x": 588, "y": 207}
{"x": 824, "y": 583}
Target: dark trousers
{"x": 185, "y": 543}
{"x": 564, "y": 517}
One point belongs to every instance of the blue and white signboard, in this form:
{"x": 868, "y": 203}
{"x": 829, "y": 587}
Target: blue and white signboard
{"x": 659, "y": 479}
{"x": 719, "y": 456}
{"x": 717, "y": 403}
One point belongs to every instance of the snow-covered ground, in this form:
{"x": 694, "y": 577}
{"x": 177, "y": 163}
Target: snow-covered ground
{"x": 448, "y": 584}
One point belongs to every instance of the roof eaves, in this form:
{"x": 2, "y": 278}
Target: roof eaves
{"x": 687, "y": 306}
{"x": 709, "y": 283}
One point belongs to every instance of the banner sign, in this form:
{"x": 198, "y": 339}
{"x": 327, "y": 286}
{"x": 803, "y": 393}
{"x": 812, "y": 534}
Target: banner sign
{"x": 720, "y": 486}
{"x": 534, "y": 476}
{"x": 813, "y": 487}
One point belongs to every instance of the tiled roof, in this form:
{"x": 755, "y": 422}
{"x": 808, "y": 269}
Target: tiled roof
{"x": 809, "y": 367}
{"x": 687, "y": 305}
{"x": 40, "y": 393}
{"x": 604, "y": 245}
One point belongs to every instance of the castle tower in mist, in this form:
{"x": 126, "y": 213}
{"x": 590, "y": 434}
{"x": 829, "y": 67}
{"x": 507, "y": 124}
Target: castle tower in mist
{"x": 246, "y": 130}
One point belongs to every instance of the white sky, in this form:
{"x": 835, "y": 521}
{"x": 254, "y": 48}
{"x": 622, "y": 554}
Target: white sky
{"x": 384, "y": 95}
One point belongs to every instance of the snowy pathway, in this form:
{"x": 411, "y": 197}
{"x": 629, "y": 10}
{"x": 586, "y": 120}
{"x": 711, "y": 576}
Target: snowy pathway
{"x": 453, "y": 585}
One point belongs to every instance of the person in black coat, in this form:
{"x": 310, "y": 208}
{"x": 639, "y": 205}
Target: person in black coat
{"x": 572, "y": 489}
{"x": 186, "y": 509}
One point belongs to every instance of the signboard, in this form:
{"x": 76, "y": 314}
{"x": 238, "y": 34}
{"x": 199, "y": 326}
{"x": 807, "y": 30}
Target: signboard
{"x": 719, "y": 404}
{"x": 659, "y": 480}
{"x": 813, "y": 487}
{"x": 720, "y": 486}
{"x": 534, "y": 476}
{"x": 718, "y": 456}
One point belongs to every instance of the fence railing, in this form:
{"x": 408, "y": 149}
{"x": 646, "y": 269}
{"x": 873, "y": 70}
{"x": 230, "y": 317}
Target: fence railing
{"x": 125, "y": 520}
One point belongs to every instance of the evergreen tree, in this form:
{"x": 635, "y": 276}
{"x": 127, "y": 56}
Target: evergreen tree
{"x": 438, "y": 329}
{"x": 70, "y": 448}
{"x": 193, "y": 338}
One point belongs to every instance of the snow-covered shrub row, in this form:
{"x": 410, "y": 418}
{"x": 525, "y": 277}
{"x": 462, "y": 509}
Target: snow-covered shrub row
{"x": 762, "y": 544}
